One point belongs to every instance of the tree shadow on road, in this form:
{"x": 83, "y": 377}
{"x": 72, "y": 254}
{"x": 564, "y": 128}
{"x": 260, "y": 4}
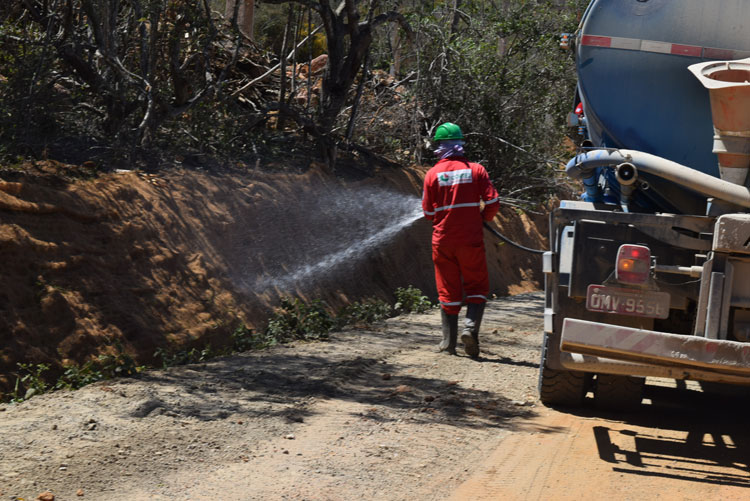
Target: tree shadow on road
{"x": 357, "y": 366}
{"x": 284, "y": 384}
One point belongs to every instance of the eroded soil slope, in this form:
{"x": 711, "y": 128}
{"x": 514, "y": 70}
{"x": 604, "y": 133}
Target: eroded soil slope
{"x": 181, "y": 259}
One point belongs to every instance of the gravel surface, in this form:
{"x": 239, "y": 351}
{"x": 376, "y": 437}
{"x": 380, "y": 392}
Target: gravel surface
{"x": 371, "y": 414}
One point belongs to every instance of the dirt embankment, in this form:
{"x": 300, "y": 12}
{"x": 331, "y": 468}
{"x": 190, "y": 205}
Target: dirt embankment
{"x": 181, "y": 259}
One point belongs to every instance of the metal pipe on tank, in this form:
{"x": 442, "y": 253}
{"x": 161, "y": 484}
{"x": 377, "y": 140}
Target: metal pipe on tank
{"x": 728, "y": 84}
{"x": 582, "y": 166}
{"x": 627, "y": 175}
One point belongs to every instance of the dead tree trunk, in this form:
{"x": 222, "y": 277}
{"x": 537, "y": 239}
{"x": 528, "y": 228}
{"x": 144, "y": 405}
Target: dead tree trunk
{"x": 395, "y": 42}
{"x": 245, "y": 15}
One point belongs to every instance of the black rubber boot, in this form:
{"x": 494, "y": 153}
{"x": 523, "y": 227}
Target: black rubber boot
{"x": 450, "y": 333}
{"x": 470, "y": 335}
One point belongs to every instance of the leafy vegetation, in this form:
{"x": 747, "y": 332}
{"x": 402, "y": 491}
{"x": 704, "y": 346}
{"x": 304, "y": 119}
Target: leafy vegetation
{"x": 158, "y": 80}
{"x": 244, "y": 339}
{"x": 170, "y": 358}
{"x": 103, "y": 367}
{"x": 29, "y": 381}
{"x": 501, "y": 75}
{"x": 411, "y": 300}
{"x": 297, "y": 320}
{"x": 32, "y": 380}
{"x": 367, "y": 311}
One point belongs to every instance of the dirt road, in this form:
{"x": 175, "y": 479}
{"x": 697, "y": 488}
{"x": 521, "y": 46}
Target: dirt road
{"x": 372, "y": 414}
{"x": 683, "y": 445}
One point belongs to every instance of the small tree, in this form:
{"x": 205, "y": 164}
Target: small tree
{"x": 139, "y": 63}
{"x": 500, "y": 74}
{"x": 348, "y": 37}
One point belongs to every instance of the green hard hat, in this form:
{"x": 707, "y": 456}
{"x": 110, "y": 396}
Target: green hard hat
{"x": 448, "y": 131}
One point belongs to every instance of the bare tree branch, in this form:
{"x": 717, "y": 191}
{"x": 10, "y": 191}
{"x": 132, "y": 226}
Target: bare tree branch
{"x": 276, "y": 67}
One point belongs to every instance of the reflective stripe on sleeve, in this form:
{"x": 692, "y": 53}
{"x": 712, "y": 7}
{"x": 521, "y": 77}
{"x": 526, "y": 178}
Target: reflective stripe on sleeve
{"x": 496, "y": 199}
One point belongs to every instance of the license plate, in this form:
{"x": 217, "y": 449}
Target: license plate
{"x": 637, "y": 303}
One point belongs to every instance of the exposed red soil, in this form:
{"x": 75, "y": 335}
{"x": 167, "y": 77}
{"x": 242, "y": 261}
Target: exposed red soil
{"x": 174, "y": 260}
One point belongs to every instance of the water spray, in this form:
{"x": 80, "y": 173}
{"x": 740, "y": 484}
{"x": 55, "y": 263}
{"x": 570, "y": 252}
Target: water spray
{"x": 356, "y": 251}
{"x": 326, "y": 233}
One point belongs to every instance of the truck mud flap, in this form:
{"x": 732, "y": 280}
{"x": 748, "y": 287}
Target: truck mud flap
{"x": 614, "y": 349}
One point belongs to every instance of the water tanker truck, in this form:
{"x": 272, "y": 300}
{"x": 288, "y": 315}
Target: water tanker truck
{"x": 649, "y": 271}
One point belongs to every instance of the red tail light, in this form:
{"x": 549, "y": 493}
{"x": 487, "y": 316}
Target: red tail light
{"x": 633, "y": 264}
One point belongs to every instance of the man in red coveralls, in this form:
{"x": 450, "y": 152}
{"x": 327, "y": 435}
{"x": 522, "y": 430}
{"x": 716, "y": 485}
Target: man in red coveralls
{"x": 453, "y": 193}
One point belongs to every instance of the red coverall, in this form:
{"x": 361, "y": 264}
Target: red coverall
{"x": 452, "y": 192}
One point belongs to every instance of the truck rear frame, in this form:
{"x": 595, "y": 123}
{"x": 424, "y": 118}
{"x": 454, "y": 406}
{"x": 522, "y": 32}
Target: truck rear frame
{"x": 700, "y": 261}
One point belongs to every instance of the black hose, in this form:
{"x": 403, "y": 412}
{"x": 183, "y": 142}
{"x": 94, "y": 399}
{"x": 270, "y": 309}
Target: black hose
{"x": 505, "y": 239}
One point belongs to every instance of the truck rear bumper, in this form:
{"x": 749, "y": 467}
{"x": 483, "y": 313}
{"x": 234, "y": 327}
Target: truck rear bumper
{"x": 613, "y": 349}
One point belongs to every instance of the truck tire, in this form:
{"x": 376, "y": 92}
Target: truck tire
{"x": 560, "y": 387}
{"x": 619, "y": 393}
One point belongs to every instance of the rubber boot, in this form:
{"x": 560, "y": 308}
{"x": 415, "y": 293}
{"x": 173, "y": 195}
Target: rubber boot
{"x": 450, "y": 333}
{"x": 470, "y": 335}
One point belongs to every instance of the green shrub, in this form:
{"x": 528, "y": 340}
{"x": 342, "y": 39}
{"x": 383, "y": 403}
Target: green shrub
{"x": 118, "y": 365}
{"x": 30, "y": 381}
{"x": 367, "y": 311}
{"x": 244, "y": 339}
{"x": 103, "y": 367}
{"x": 76, "y": 376}
{"x": 297, "y": 320}
{"x": 171, "y": 358}
{"x": 503, "y": 78}
{"x": 411, "y": 300}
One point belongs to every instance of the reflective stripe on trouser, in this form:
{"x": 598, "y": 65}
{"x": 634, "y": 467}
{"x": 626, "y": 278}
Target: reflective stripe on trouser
{"x": 460, "y": 270}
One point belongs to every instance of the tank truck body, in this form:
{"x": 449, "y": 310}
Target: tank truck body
{"x": 649, "y": 272}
